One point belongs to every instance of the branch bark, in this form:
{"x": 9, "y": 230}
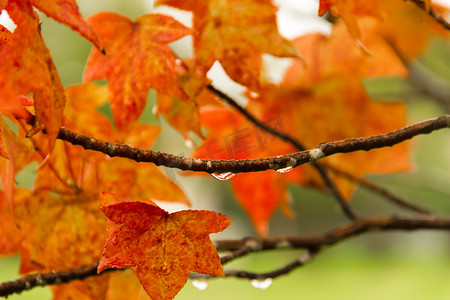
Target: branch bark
{"x": 255, "y": 165}
{"x": 242, "y": 247}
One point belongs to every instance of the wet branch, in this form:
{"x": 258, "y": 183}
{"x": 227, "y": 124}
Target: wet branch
{"x": 254, "y": 165}
{"x": 242, "y": 247}
{"x": 387, "y": 194}
{"x": 30, "y": 281}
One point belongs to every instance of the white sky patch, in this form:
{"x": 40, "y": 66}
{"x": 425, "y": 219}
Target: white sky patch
{"x": 6, "y": 21}
{"x": 171, "y": 206}
{"x": 225, "y": 84}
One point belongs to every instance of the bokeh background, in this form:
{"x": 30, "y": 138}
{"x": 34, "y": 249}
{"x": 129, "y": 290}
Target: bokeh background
{"x": 401, "y": 265}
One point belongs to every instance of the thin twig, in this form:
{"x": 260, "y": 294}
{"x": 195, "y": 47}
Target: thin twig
{"x": 388, "y": 195}
{"x": 300, "y": 261}
{"x": 300, "y": 147}
{"x": 242, "y": 247}
{"x": 255, "y": 165}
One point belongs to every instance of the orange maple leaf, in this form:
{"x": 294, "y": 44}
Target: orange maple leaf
{"x": 66, "y": 12}
{"x": 235, "y": 33}
{"x": 182, "y": 115}
{"x": 330, "y": 88}
{"x": 348, "y": 10}
{"x": 394, "y": 21}
{"x": 163, "y": 248}
{"x": 92, "y": 288}
{"x": 400, "y": 18}
{"x": 28, "y": 67}
{"x": 137, "y": 59}
{"x": 125, "y": 284}
{"x": 62, "y": 231}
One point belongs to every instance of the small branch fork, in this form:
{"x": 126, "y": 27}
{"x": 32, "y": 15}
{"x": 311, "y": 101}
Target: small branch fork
{"x": 239, "y": 248}
{"x": 260, "y": 164}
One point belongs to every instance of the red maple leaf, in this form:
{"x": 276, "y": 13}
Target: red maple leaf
{"x": 235, "y": 33}
{"x": 163, "y": 248}
{"x": 137, "y": 59}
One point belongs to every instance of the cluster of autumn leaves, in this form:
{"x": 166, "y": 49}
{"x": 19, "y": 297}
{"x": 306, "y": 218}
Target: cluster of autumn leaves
{"x": 59, "y": 225}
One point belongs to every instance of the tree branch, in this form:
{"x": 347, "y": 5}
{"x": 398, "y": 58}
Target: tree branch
{"x": 30, "y": 281}
{"x": 317, "y": 242}
{"x": 259, "y": 164}
{"x": 239, "y": 248}
{"x": 300, "y": 261}
{"x": 388, "y": 195}
{"x": 300, "y": 147}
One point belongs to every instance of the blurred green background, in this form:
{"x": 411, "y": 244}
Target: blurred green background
{"x": 401, "y": 265}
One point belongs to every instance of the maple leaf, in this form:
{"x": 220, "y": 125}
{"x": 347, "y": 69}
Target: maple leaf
{"x": 346, "y": 104}
{"x": 64, "y": 231}
{"x": 66, "y": 12}
{"x": 394, "y": 20}
{"x": 125, "y": 284}
{"x": 182, "y": 115}
{"x": 333, "y": 80}
{"x": 28, "y": 67}
{"x": 235, "y": 33}
{"x": 400, "y": 17}
{"x": 92, "y": 288}
{"x": 81, "y": 112}
{"x": 337, "y": 55}
{"x": 348, "y": 10}
{"x": 137, "y": 59}
{"x": 163, "y": 248}
{"x": 261, "y": 193}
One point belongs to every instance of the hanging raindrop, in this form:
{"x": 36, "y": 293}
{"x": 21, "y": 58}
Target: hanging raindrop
{"x": 261, "y": 284}
{"x": 223, "y": 176}
{"x": 200, "y": 284}
{"x": 285, "y": 170}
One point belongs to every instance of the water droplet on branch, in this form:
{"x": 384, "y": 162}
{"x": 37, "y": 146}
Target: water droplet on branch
{"x": 223, "y": 176}
{"x": 200, "y": 284}
{"x": 285, "y": 170}
{"x": 261, "y": 284}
